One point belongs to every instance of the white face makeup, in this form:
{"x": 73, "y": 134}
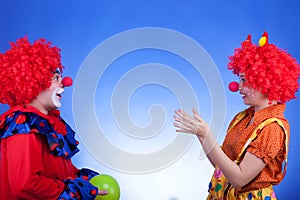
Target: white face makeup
{"x": 49, "y": 98}
{"x": 56, "y": 96}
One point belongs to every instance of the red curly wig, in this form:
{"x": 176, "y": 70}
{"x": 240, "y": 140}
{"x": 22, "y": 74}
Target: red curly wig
{"x": 26, "y": 70}
{"x": 268, "y": 69}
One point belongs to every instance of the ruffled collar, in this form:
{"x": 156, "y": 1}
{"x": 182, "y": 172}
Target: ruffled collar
{"x": 27, "y": 119}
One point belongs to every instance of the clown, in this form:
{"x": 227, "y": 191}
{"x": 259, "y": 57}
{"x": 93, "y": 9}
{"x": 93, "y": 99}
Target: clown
{"x": 254, "y": 153}
{"x": 36, "y": 144}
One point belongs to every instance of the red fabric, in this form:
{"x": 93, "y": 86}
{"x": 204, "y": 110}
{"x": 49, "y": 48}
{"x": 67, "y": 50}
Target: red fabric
{"x": 29, "y": 171}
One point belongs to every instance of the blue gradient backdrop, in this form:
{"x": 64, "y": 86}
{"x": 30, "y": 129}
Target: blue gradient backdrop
{"x": 77, "y": 27}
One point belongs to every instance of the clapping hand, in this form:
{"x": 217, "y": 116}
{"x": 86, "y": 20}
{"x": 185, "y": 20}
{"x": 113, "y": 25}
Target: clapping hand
{"x": 190, "y": 124}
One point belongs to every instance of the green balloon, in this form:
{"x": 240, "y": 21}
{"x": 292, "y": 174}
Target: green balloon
{"x": 106, "y": 182}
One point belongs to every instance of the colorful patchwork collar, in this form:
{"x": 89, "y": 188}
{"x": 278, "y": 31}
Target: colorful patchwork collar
{"x": 27, "y": 119}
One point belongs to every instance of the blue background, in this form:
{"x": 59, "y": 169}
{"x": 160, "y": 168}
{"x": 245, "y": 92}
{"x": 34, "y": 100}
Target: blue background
{"x": 219, "y": 26}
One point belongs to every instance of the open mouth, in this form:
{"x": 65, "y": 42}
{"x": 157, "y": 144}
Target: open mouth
{"x": 56, "y": 96}
{"x": 59, "y": 92}
{"x": 243, "y": 95}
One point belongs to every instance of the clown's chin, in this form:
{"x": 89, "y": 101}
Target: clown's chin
{"x": 57, "y": 103}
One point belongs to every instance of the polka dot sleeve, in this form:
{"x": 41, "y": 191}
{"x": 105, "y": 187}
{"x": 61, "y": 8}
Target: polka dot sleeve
{"x": 269, "y": 142}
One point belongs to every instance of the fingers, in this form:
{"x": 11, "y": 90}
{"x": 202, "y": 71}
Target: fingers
{"x": 196, "y": 115}
{"x": 183, "y": 120}
{"x": 102, "y": 192}
{"x": 183, "y": 116}
{"x": 185, "y": 123}
{"x": 190, "y": 124}
{"x": 182, "y": 128}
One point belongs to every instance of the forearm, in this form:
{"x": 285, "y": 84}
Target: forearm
{"x": 217, "y": 157}
{"x": 237, "y": 175}
{"x": 207, "y": 150}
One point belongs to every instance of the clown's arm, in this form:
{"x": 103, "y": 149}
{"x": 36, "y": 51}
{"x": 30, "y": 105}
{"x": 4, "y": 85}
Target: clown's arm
{"x": 237, "y": 175}
{"x": 26, "y": 172}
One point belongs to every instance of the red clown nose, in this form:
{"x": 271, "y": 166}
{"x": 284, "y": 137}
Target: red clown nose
{"x": 233, "y": 86}
{"x": 67, "y": 81}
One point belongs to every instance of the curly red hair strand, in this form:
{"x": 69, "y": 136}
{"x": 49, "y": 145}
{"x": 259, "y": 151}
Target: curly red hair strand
{"x": 267, "y": 68}
{"x": 26, "y": 70}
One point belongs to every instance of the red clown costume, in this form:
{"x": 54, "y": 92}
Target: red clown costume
{"x": 36, "y": 148}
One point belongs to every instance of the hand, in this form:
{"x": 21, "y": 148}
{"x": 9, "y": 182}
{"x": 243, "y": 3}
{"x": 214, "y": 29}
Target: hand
{"x": 102, "y": 192}
{"x": 190, "y": 124}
